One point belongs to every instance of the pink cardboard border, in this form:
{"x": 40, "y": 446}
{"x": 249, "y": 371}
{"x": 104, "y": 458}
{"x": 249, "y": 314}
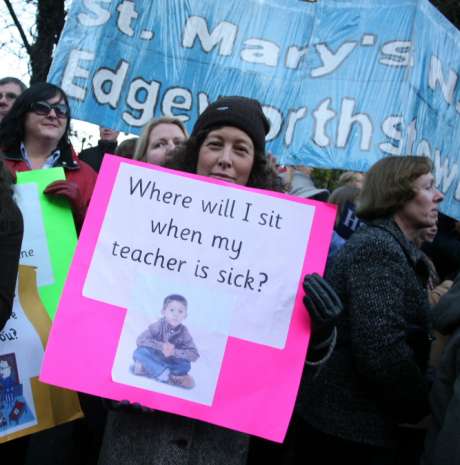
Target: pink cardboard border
{"x": 84, "y": 337}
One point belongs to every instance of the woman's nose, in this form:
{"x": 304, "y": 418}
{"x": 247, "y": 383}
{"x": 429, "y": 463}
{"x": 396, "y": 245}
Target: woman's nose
{"x": 52, "y": 113}
{"x": 439, "y": 196}
{"x": 225, "y": 157}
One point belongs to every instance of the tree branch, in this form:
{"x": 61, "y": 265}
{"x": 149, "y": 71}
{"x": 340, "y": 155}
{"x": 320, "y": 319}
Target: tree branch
{"x": 18, "y": 25}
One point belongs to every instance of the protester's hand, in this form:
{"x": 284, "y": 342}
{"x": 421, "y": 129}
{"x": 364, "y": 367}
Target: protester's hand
{"x": 71, "y": 192}
{"x": 168, "y": 349}
{"x": 322, "y": 303}
{"x": 127, "y": 406}
{"x": 435, "y": 295}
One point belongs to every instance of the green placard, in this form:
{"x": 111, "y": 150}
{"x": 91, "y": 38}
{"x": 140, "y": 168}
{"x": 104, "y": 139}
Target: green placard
{"x": 60, "y": 232}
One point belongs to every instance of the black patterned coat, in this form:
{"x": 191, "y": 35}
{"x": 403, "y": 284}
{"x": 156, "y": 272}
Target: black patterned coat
{"x": 374, "y": 379}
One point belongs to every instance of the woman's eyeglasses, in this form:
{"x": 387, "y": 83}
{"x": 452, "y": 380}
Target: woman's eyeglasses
{"x": 44, "y": 109}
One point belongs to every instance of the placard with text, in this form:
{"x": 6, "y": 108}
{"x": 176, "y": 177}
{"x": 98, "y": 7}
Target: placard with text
{"x": 185, "y": 296}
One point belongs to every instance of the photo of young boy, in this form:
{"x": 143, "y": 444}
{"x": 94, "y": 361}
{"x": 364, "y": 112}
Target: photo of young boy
{"x": 165, "y": 350}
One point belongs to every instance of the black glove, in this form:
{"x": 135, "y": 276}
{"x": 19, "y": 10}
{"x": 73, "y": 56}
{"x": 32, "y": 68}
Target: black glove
{"x": 321, "y": 301}
{"x": 127, "y": 406}
{"x": 324, "y": 307}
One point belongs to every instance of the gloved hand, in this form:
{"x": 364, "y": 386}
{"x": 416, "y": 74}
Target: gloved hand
{"x": 324, "y": 307}
{"x": 127, "y": 406}
{"x": 71, "y": 192}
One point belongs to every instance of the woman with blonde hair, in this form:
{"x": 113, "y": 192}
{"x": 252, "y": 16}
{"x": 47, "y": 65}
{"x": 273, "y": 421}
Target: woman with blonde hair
{"x": 159, "y": 136}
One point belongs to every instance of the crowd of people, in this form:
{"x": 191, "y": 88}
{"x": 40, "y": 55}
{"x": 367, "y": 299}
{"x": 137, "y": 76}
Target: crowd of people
{"x": 384, "y": 320}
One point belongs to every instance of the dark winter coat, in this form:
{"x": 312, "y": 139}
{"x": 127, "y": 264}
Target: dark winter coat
{"x": 442, "y": 440}
{"x": 374, "y": 379}
{"x": 11, "y": 232}
{"x": 94, "y": 155}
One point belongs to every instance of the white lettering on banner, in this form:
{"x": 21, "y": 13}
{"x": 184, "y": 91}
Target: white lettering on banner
{"x": 423, "y": 148}
{"x": 294, "y": 55}
{"x": 203, "y": 101}
{"x": 445, "y": 174}
{"x": 224, "y": 33}
{"x": 346, "y": 121}
{"x": 436, "y": 76}
{"x": 391, "y": 127}
{"x": 114, "y": 80}
{"x": 177, "y": 97}
{"x": 260, "y": 51}
{"x": 294, "y": 116}
{"x": 266, "y": 52}
{"x": 73, "y": 71}
{"x": 276, "y": 121}
{"x": 321, "y": 116}
{"x": 396, "y": 53}
{"x": 145, "y": 106}
{"x": 143, "y": 97}
{"x": 351, "y": 220}
{"x": 99, "y": 15}
{"x": 330, "y": 60}
{"x": 411, "y": 136}
{"x": 127, "y": 14}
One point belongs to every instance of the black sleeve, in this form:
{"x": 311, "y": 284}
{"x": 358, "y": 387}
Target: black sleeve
{"x": 11, "y": 232}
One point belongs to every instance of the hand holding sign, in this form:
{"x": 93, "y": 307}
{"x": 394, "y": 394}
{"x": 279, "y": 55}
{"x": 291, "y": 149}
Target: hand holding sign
{"x": 71, "y": 192}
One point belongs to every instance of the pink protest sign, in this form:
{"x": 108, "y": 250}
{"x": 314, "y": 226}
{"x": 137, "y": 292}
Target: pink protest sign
{"x": 185, "y": 295}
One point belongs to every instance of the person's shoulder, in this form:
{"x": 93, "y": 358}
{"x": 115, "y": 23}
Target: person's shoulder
{"x": 86, "y": 167}
{"x": 85, "y": 152}
{"x": 371, "y": 245}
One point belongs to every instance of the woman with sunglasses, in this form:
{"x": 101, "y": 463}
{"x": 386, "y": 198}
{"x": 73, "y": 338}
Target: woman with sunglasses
{"x": 35, "y": 135}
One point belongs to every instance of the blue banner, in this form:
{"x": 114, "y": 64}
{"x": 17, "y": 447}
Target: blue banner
{"x": 343, "y": 83}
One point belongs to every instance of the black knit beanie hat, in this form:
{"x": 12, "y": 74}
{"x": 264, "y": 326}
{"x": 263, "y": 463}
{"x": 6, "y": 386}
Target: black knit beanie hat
{"x": 240, "y": 112}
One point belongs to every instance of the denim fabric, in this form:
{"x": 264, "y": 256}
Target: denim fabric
{"x": 154, "y": 362}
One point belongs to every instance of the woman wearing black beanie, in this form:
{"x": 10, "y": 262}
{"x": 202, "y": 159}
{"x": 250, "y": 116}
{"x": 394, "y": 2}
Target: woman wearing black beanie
{"x": 227, "y": 143}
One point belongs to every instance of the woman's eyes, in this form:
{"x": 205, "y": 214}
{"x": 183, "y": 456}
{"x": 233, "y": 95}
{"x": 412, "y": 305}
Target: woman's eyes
{"x": 242, "y": 149}
{"x": 238, "y": 149}
{"x": 158, "y": 145}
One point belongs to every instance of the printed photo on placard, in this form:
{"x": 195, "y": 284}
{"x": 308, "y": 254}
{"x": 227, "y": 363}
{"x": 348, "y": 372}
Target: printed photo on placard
{"x": 15, "y": 413}
{"x": 173, "y": 341}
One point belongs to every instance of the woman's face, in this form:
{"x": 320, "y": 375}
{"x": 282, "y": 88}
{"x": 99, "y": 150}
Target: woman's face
{"x": 226, "y": 154}
{"x": 163, "y": 138}
{"x": 47, "y": 120}
{"x": 422, "y": 210}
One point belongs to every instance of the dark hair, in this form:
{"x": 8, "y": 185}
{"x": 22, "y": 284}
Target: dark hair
{"x": 13, "y": 80}
{"x": 12, "y": 128}
{"x": 127, "y": 147}
{"x": 343, "y": 195}
{"x": 174, "y": 297}
{"x": 6, "y": 189}
{"x": 185, "y": 158}
{"x": 388, "y": 185}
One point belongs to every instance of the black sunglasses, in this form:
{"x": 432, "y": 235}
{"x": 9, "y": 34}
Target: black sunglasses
{"x": 44, "y": 108}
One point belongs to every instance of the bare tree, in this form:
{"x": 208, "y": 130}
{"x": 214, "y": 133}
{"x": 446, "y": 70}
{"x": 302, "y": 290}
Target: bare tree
{"x": 49, "y": 23}
{"x": 40, "y": 38}
{"x": 450, "y": 9}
